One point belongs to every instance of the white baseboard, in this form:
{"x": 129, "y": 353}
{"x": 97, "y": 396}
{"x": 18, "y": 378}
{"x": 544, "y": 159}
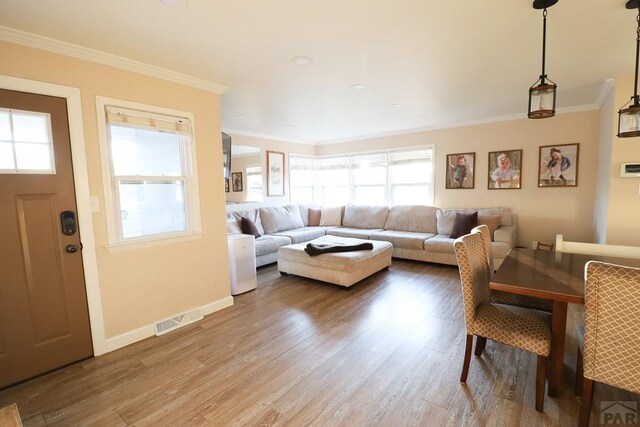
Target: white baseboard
{"x": 147, "y": 331}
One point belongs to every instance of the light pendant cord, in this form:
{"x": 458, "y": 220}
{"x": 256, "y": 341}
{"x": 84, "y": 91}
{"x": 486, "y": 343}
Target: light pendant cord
{"x": 544, "y": 45}
{"x": 636, "y": 101}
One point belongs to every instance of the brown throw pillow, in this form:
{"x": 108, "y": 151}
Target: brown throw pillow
{"x": 491, "y": 221}
{"x": 463, "y": 224}
{"x": 314, "y": 217}
{"x": 248, "y": 227}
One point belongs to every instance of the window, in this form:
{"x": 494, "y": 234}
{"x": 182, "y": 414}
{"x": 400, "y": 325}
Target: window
{"x": 26, "y": 145}
{"x": 410, "y": 177}
{"x": 369, "y": 178}
{"x": 334, "y": 181}
{"x": 151, "y": 174}
{"x": 254, "y": 183}
{"x": 384, "y": 178}
{"x": 302, "y": 173}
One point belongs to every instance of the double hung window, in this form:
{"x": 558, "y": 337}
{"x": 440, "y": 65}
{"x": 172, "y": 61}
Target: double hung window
{"x": 151, "y": 174}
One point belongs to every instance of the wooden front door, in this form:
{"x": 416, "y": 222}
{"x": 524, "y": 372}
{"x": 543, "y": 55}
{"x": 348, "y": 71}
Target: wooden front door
{"x": 44, "y": 319}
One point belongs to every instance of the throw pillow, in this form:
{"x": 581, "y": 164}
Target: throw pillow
{"x": 491, "y": 221}
{"x": 248, "y": 227}
{"x": 314, "y": 217}
{"x": 331, "y": 216}
{"x": 463, "y": 224}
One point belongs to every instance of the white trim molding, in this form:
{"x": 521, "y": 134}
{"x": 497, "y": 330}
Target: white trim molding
{"x": 83, "y": 198}
{"x": 45, "y": 43}
{"x": 147, "y": 331}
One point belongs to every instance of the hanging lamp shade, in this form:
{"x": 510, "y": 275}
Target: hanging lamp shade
{"x": 629, "y": 115}
{"x": 542, "y": 94}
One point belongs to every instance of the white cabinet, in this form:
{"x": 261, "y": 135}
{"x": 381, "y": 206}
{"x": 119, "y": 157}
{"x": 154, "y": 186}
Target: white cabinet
{"x": 242, "y": 263}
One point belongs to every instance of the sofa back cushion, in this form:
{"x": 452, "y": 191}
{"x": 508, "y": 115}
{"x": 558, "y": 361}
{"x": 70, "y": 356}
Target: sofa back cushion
{"x": 365, "y": 216}
{"x": 252, "y": 214}
{"x": 446, "y": 218}
{"x": 276, "y": 219}
{"x": 304, "y": 211}
{"x": 505, "y": 214}
{"x": 416, "y": 218}
{"x": 331, "y": 216}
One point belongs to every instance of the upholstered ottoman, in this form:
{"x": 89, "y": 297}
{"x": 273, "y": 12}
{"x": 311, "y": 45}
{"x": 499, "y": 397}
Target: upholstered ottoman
{"x": 341, "y": 268}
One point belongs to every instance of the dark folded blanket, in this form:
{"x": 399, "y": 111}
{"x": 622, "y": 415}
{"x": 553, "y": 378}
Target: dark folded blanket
{"x": 314, "y": 249}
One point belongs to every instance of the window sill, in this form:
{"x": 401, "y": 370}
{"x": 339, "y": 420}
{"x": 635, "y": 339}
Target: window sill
{"x": 154, "y": 241}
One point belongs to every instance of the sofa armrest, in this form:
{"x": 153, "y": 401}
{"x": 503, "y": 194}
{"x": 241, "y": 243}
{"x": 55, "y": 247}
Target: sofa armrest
{"x": 506, "y": 234}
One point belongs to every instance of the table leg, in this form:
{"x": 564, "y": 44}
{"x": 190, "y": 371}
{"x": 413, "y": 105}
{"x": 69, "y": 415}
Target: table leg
{"x": 558, "y": 333}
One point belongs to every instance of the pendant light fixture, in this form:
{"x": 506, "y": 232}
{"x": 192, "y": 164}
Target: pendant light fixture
{"x": 629, "y": 117}
{"x": 542, "y": 94}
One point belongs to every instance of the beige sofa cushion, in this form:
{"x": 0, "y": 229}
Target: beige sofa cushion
{"x": 446, "y": 217}
{"x": 365, "y": 216}
{"x": 421, "y": 219}
{"x": 505, "y": 214}
{"x": 276, "y": 219}
{"x": 331, "y": 216}
{"x": 402, "y": 239}
{"x": 267, "y": 244}
{"x": 356, "y": 233}
{"x": 252, "y": 214}
{"x": 304, "y": 234}
{"x": 441, "y": 243}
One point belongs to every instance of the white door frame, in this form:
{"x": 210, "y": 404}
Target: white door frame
{"x": 83, "y": 198}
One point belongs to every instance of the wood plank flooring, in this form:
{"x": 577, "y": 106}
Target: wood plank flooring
{"x": 298, "y": 352}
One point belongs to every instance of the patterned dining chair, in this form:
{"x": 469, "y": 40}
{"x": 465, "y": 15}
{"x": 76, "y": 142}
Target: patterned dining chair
{"x": 608, "y": 344}
{"x": 508, "y": 298}
{"x": 514, "y": 326}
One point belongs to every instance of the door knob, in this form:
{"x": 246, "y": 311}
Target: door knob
{"x": 71, "y": 248}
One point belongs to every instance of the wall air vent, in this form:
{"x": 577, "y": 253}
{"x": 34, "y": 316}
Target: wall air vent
{"x": 163, "y": 326}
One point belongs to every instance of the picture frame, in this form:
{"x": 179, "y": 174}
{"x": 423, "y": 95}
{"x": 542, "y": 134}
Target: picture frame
{"x": 505, "y": 170}
{"x": 226, "y": 185}
{"x": 236, "y": 180}
{"x": 275, "y": 173}
{"x": 558, "y": 165}
{"x": 460, "y": 171}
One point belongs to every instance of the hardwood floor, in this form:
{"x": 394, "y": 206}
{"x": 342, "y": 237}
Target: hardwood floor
{"x": 298, "y": 352}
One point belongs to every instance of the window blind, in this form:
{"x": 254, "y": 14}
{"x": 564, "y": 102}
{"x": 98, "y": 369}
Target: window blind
{"x": 144, "y": 120}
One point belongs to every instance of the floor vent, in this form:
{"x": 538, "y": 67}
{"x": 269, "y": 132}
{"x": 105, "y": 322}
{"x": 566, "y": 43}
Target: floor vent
{"x": 168, "y": 325}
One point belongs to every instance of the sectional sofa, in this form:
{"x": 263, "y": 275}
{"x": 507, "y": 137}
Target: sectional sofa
{"x": 416, "y": 232}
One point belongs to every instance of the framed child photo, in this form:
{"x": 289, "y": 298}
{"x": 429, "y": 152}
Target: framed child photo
{"x": 460, "y": 171}
{"x": 236, "y": 180}
{"x": 558, "y": 166}
{"x": 226, "y": 185}
{"x": 505, "y": 170}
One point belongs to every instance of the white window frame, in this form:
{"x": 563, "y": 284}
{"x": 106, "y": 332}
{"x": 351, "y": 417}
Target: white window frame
{"x": 315, "y": 188}
{"x": 191, "y": 188}
{"x": 17, "y": 170}
{"x": 319, "y": 188}
{"x": 247, "y": 173}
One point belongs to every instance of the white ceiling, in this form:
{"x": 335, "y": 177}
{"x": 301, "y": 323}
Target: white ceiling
{"x": 455, "y": 61}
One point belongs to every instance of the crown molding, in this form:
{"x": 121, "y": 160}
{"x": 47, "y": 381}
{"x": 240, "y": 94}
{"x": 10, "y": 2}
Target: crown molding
{"x": 56, "y": 46}
{"x": 606, "y": 88}
{"x": 498, "y": 119}
{"x": 269, "y": 137}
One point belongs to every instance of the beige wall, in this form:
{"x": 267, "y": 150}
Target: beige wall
{"x": 543, "y": 212}
{"x": 273, "y": 145}
{"x": 239, "y": 164}
{"x": 140, "y": 286}
{"x": 603, "y": 177}
{"x": 623, "y": 227}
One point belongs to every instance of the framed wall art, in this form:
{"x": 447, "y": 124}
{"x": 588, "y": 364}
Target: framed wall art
{"x": 505, "y": 170}
{"x": 226, "y": 185}
{"x": 275, "y": 173}
{"x": 558, "y": 166}
{"x": 460, "y": 171}
{"x": 236, "y": 179}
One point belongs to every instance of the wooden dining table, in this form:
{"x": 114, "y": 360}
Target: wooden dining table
{"x": 554, "y": 276}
